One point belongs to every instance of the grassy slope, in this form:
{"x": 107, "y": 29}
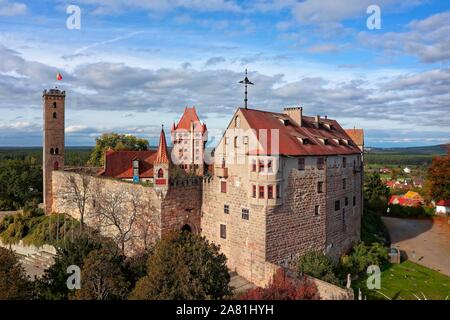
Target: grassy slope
{"x": 402, "y": 281}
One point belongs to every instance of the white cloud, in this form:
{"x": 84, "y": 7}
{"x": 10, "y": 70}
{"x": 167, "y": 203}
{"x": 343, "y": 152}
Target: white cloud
{"x": 10, "y": 9}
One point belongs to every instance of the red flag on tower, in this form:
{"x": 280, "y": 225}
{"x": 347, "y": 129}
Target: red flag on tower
{"x": 59, "y": 76}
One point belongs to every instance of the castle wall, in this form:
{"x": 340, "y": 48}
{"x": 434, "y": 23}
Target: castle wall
{"x": 111, "y": 197}
{"x": 343, "y": 225}
{"x": 293, "y": 228}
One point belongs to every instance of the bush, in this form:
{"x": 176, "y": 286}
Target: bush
{"x": 373, "y": 228}
{"x": 14, "y": 283}
{"x": 399, "y": 211}
{"x": 284, "y": 288}
{"x": 361, "y": 257}
{"x": 317, "y": 265}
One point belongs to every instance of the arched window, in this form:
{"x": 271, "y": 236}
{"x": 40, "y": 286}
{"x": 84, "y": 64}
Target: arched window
{"x": 56, "y": 165}
{"x": 56, "y": 151}
{"x": 236, "y": 141}
{"x": 54, "y": 115}
{"x": 54, "y": 104}
{"x": 160, "y": 173}
{"x": 237, "y": 122}
{"x": 52, "y": 151}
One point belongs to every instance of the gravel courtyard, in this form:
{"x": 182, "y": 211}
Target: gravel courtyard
{"x": 426, "y": 242}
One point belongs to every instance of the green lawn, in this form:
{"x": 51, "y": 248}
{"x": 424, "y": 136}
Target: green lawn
{"x": 402, "y": 281}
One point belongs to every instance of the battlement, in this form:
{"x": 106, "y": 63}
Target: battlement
{"x": 53, "y": 92}
{"x": 189, "y": 181}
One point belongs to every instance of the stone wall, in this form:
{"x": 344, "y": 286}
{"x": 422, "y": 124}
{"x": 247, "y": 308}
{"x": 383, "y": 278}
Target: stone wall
{"x": 343, "y": 225}
{"x": 111, "y": 197}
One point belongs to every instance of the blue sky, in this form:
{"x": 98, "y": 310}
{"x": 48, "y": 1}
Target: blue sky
{"x": 135, "y": 65}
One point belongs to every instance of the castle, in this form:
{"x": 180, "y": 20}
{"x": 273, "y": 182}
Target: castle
{"x": 279, "y": 185}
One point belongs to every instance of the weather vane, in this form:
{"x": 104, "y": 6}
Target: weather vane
{"x": 246, "y": 82}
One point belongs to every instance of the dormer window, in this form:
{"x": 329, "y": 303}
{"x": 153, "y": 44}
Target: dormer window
{"x": 323, "y": 140}
{"x": 303, "y": 140}
{"x": 285, "y": 122}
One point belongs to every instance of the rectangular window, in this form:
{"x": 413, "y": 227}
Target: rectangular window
{"x": 346, "y": 201}
{"x": 226, "y": 208}
{"x": 344, "y": 183}
{"x": 223, "y": 231}
{"x": 344, "y": 162}
{"x": 269, "y": 166}
{"x": 270, "y": 192}
{"x": 245, "y": 139}
{"x": 354, "y": 201}
{"x": 316, "y": 210}
{"x": 261, "y": 165}
{"x": 254, "y": 191}
{"x": 301, "y": 164}
{"x": 337, "y": 205}
{"x": 320, "y": 187}
{"x": 254, "y": 165}
{"x": 226, "y": 140}
{"x": 223, "y": 186}
{"x": 320, "y": 163}
{"x": 245, "y": 214}
{"x": 278, "y": 191}
{"x": 261, "y": 192}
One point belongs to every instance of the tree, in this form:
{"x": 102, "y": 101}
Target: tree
{"x": 14, "y": 283}
{"x": 102, "y": 277}
{"x": 437, "y": 184}
{"x": 117, "y": 142}
{"x": 20, "y": 182}
{"x": 375, "y": 189}
{"x": 284, "y": 288}
{"x": 116, "y": 212}
{"x": 184, "y": 266}
{"x": 53, "y": 284}
{"x": 76, "y": 192}
{"x": 317, "y": 265}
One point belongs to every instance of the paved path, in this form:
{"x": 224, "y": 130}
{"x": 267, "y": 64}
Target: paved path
{"x": 424, "y": 241}
{"x": 240, "y": 284}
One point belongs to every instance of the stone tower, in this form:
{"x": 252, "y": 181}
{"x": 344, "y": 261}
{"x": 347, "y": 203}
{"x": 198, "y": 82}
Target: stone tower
{"x": 161, "y": 165}
{"x": 53, "y": 103}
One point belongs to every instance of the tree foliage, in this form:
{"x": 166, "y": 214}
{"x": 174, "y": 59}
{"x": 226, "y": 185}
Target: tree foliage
{"x": 102, "y": 277}
{"x": 317, "y": 265}
{"x": 437, "y": 183}
{"x": 116, "y": 142}
{"x": 374, "y": 188}
{"x": 284, "y": 288}
{"x": 14, "y": 283}
{"x": 184, "y": 266}
{"x": 20, "y": 182}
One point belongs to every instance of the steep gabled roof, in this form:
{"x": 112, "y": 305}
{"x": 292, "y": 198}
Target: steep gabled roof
{"x": 357, "y": 135}
{"x": 189, "y": 116}
{"x": 291, "y": 134}
{"x": 162, "y": 155}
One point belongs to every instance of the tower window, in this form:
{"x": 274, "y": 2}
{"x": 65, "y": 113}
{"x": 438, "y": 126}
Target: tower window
{"x": 54, "y": 115}
{"x": 261, "y": 192}
{"x": 254, "y": 191}
{"x": 54, "y": 105}
{"x": 270, "y": 192}
{"x": 223, "y": 231}
{"x": 344, "y": 183}
{"x": 320, "y": 187}
{"x": 245, "y": 213}
{"x": 52, "y": 151}
{"x": 223, "y": 186}
{"x": 261, "y": 165}
{"x": 316, "y": 210}
{"x": 226, "y": 208}
{"x": 269, "y": 166}
{"x": 160, "y": 173}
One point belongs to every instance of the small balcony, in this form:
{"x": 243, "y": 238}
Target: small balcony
{"x": 221, "y": 172}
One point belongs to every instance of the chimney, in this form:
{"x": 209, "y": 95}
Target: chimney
{"x": 295, "y": 114}
{"x": 317, "y": 121}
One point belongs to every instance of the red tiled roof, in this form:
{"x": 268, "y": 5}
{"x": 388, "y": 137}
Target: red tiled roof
{"x": 189, "y": 116}
{"x": 162, "y": 153}
{"x": 401, "y": 200}
{"x": 119, "y": 164}
{"x": 357, "y": 135}
{"x": 290, "y": 133}
{"x": 444, "y": 203}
